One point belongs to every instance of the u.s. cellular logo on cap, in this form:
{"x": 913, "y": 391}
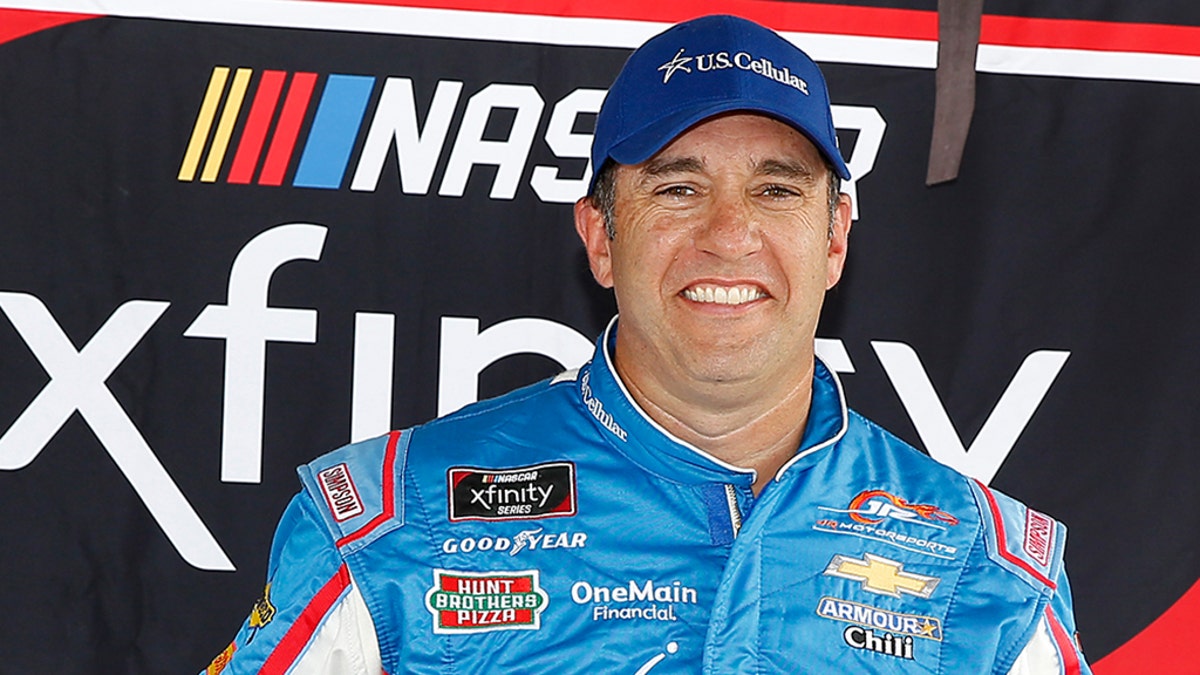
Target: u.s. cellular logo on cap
{"x": 273, "y": 127}
{"x": 759, "y": 65}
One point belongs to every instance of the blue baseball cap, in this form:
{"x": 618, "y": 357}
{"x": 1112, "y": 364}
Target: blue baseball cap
{"x": 705, "y": 67}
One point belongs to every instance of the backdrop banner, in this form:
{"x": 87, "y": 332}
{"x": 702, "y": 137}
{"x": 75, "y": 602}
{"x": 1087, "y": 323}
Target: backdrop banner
{"x": 236, "y": 236}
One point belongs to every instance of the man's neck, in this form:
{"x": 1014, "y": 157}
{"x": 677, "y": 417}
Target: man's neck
{"x": 745, "y": 424}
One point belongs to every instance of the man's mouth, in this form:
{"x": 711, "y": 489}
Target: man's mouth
{"x": 723, "y": 295}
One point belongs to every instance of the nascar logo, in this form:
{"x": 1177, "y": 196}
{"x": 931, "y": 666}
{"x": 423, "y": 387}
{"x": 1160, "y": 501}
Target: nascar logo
{"x": 269, "y": 135}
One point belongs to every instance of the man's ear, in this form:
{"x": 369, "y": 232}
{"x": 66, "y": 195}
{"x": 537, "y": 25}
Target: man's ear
{"x": 839, "y": 239}
{"x": 589, "y": 223}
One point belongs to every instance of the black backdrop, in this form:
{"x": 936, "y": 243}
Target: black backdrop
{"x": 1039, "y": 311}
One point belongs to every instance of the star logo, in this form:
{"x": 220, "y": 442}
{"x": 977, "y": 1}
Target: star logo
{"x": 678, "y": 63}
{"x": 882, "y": 576}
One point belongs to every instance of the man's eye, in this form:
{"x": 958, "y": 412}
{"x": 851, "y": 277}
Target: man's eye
{"x": 779, "y": 191}
{"x": 677, "y": 191}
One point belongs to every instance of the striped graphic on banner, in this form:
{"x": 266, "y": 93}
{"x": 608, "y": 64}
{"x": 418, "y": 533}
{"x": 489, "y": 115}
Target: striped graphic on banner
{"x": 326, "y": 151}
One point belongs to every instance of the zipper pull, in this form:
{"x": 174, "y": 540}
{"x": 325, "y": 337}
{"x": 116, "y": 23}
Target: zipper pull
{"x": 735, "y": 513}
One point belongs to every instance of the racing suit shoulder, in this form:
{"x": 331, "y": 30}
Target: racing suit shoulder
{"x": 362, "y": 485}
{"x": 1027, "y": 543}
{"x": 359, "y": 489}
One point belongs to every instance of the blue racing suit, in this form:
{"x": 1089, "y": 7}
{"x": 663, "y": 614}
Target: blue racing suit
{"x": 560, "y": 529}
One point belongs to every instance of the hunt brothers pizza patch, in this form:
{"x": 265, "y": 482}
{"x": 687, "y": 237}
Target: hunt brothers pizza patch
{"x": 522, "y": 493}
{"x": 479, "y": 602}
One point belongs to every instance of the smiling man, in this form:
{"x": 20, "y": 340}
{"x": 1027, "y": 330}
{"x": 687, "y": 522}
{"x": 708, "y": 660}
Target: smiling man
{"x": 698, "y": 497}
{"x": 728, "y": 238}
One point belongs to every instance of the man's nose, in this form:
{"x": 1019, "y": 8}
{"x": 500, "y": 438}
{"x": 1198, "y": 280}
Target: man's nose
{"x": 729, "y": 230}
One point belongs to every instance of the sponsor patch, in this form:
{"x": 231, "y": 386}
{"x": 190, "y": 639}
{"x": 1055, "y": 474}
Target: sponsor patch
{"x": 480, "y": 602}
{"x": 882, "y": 576}
{"x": 880, "y": 643}
{"x": 873, "y": 506}
{"x": 340, "y": 493}
{"x": 262, "y": 613}
{"x": 644, "y": 600}
{"x": 1039, "y": 536}
{"x": 888, "y": 536}
{"x": 876, "y": 515}
{"x": 596, "y": 407}
{"x": 221, "y": 660}
{"x": 522, "y": 493}
{"x": 761, "y": 66}
{"x": 525, "y": 540}
{"x": 916, "y": 625}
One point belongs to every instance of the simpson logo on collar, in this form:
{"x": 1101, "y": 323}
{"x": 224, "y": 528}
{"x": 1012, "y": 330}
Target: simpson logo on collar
{"x": 340, "y": 493}
{"x": 1039, "y": 537}
{"x": 520, "y": 493}
{"x": 479, "y": 602}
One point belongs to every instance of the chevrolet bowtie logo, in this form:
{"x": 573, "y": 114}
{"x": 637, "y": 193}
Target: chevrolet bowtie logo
{"x": 880, "y": 575}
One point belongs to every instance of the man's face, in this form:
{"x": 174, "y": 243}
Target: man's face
{"x": 722, "y": 253}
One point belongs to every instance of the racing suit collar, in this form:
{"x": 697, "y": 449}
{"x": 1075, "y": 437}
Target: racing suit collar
{"x": 648, "y": 444}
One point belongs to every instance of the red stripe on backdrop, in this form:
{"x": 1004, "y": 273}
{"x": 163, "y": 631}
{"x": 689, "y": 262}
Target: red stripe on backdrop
{"x": 1168, "y": 643}
{"x": 1094, "y": 35}
{"x": 287, "y": 129}
{"x": 851, "y": 20}
{"x": 785, "y": 16}
{"x": 255, "y": 133}
{"x": 17, "y": 23}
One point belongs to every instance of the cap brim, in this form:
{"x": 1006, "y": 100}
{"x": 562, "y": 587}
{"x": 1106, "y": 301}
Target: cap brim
{"x": 643, "y": 145}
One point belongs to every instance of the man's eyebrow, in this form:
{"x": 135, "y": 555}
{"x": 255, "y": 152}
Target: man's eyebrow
{"x": 785, "y": 169}
{"x": 672, "y": 165}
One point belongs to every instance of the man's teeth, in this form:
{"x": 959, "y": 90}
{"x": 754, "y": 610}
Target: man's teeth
{"x": 723, "y": 295}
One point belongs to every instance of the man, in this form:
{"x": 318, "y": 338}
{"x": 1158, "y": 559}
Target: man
{"x": 697, "y": 498}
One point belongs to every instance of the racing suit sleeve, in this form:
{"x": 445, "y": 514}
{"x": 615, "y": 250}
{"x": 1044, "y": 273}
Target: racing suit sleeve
{"x": 1053, "y": 649}
{"x": 311, "y": 618}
